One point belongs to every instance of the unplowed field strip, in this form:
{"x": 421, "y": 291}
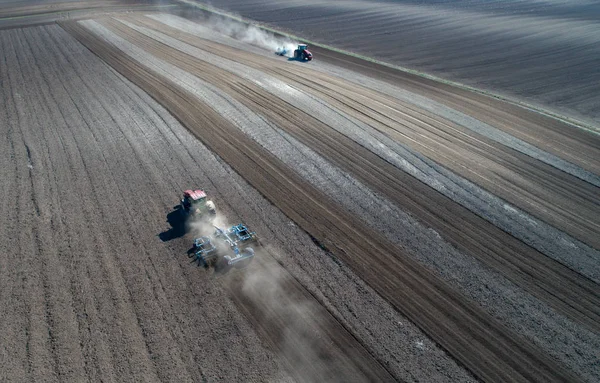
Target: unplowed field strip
{"x": 487, "y": 348}
{"x": 570, "y": 293}
{"x": 562, "y": 200}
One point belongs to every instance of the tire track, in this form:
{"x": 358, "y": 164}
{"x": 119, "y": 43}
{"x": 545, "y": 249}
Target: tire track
{"x": 71, "y": 122}
{"x": 61, "y": 260}
{"x": 76, "y": 165}
{"x": 398, "y": 282}
{"x": 81, "y": 219}
{"x": 13, "y": 355}
{"x": 138, "y": 287}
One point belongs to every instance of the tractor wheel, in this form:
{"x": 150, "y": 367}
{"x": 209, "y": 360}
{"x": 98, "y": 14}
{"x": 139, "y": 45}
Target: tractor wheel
{"x": 221, "y": 265}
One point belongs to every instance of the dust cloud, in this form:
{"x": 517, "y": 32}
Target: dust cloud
{"x": 205, "y": 226}
{"x": 276, "y": 304}
{"x": 290, "y": 320}
{"x": 251, "y": 34}
{"x": 248, "y": 33}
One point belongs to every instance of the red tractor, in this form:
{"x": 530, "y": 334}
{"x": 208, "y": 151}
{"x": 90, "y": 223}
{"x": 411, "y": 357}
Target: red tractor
{"x": 302, "y": 53}
{"x": 195, "y": 203}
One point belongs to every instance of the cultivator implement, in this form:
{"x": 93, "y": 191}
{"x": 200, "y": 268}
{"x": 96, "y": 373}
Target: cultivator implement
{"x": 231, "y": 245}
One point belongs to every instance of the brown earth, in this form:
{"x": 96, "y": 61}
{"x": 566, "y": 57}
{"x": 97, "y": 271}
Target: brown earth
{"x": 86, "y": 296}
{"x": 470, "y": 233}
{"x": 489, "y": 350}
{"x": 96, "y": 286}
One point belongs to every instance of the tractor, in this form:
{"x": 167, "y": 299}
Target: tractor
{"x": 196, "y": 204}
{"x": 302, "y": 53}
{"x": 229, "y": 245}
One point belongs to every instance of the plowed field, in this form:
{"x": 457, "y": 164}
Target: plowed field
{"x": 410, "y": 230}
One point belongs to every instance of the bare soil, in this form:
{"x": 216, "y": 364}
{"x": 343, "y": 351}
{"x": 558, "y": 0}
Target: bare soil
{"x": 106, "y": 121}
{"x": 542, "y": 53}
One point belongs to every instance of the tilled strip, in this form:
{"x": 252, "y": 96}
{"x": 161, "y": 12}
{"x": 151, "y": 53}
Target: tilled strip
{"x": 487, "y": 348}
{"x": 554, "y": 136}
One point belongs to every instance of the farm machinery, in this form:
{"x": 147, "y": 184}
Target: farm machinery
{"x": 195, "y": 203}
{"x": 302, "y": 53}
{"x": 282, "y": 51}
{"x": 229, "y": 245}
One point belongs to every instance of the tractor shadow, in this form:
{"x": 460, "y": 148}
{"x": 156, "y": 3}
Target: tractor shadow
{"x": 191, "y": 252}
{"x": 176, "y": 219}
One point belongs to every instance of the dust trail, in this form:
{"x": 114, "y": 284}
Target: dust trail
{"x": 251, "y": 34}
{"x": 288, "y": 317}
{"x": 201, "y": 226}
{"x": 248, "y": 33}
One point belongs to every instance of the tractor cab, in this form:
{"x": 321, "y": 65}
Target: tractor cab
{"x": 196, "y": 202}
{"x": 302, "y": 53}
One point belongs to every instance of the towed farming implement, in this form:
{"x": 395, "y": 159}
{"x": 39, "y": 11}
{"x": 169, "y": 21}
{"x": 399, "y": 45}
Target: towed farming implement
{"x": 230, "y": 246}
